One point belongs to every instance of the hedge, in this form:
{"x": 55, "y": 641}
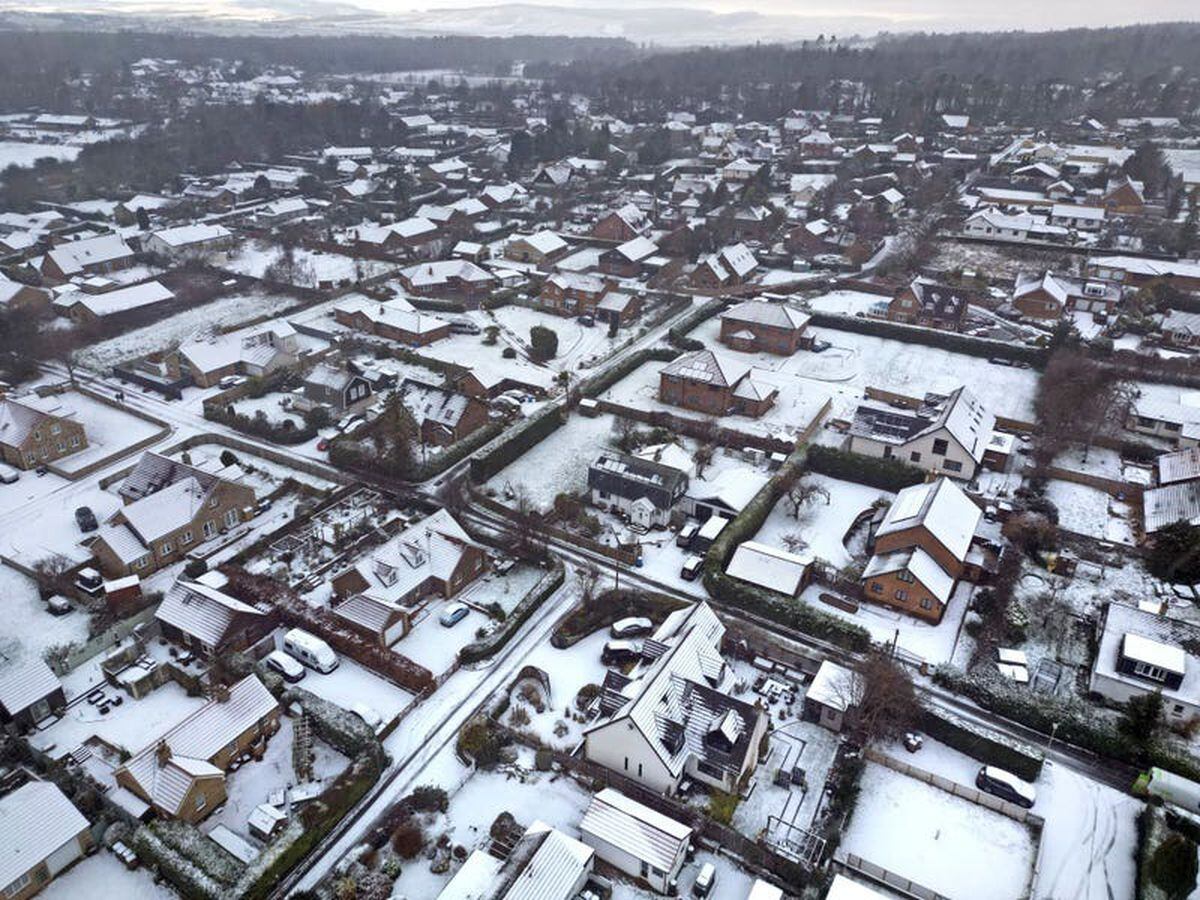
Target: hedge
{"x": 607, "y": 608}
{"x": 928, "y": 337}
{"x": 185, "y": 876}
{"x": 489, "y": 644}
{"x": 1019, "y": 758}
{"x": 602, "y": 381}
{"x": 518, "y": 441}
{"x": 678, "y": 333}
{"x": 886, "y": 474}
{"x": 1070, "y": 722}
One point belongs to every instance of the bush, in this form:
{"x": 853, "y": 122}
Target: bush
{"x": 606, "y": 608}
{"x": 195, "y": 568}
{"x": 543, "y": 760}
{"x": 1173, "y": 866}
{"x": 228, "y": 458}
{"x": 518, "y": 441}
{"x": 721, "y": 807}
{"x": 586, "y": 695}
{"x": 429, "y": 798}
{"x": 543, "y": 343}
{"x": 408, "y": 840}
{"x": 1021, "y": 759}
{"x": 480, "y": 741}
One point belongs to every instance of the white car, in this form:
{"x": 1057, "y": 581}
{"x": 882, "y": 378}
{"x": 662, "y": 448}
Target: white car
{"x": 631, "y": 627}
{"x": 373, "y": 720}
{"x": 287, "y": 667}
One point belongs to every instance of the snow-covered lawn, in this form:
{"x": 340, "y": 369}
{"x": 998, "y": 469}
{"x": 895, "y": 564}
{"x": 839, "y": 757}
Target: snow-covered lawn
{"x": 53, "y": 513}
{"x": 946, "y": 843}
{"x": 103, "y": 875}
{"x": 267, "y": 475}
{"x": 25, "y": 154}
{"x": 579, "y": 347}
{"x": 269, "y": 406}
{"x": 845, "y": 303}
{"x": 822, "y": 525}
{"x": 110, "y": 431}
{"x": 569, "y": 670}
{"x": 488, "y": 361}
{"x": 253, "y": 782}
{"x": 313, "y": 266}
{"x": 170, "y": 331}
{"x": 30, "y": 629}
{"x": 1090, "y": 511}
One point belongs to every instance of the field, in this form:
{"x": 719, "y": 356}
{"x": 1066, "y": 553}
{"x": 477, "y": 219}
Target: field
{"x": 24, "y": 154}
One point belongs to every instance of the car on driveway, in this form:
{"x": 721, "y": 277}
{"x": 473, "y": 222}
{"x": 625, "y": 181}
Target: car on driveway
{"x": 453, "y": 614}
{"x": 1006, "y": 786}
{"x": 631, "y": 627}
{"x": 86, "y": 519}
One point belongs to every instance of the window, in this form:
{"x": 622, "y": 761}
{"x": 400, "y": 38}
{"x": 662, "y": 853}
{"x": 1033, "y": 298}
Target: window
{"x": 187, "y": 537}
{"x": 639, "y": 770}
{"x": 62, "y": 446}
{"x": 140, "y": 562}
{"x": 1145, "y": 670}
{"x": 901, "y": 595}
{"x": 627, "y": 764}
{"x": 74, "y": 440}
{"x": 210, "y": 528}
{"x": 887, "y": 452}
{"x": 164, "y": 548}
{"x": 914, "y": 456}
{"x": 55, "y": 428}
{"x": 940, "y": 446}
{"x": 876, "y": 587}
{"x": 926, "y": 603}
{"x": 231, "y": 517}
{"x": 905, "y": 576}
{"x": 37, "y": 435}
{"x": 212, "y": 503}
{"x": 201, "y": 802}
{"x": 952, "y": 465}
{"x": 20, "y": 884}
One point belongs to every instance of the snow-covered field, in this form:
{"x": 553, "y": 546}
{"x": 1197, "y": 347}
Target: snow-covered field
{"x": 313, "y": 266}
{"x": 25, "y": 154}
{"x": 31, "y": 629}
{"x": 488, "y": 361}
{"x": 822, "y": 525}
{"x": 170, "y": 331}
{"x": 845, "y": 303}
{"x": 103, "y": 875}
{"x": 1090, "y": 511}
{"x": 579, "y": 347}
{"x": 946, "y": 843}
{"x": 110, "y": 431}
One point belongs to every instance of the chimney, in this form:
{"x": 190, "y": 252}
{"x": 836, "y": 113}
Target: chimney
{"x": 221, "y": 692}
{"x": 162, "y": 753}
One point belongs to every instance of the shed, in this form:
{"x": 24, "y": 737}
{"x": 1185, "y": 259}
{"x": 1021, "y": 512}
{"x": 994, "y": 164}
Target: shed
{"x": 28, "y": 692}
{"x": 832, "y": 696}
{"x": 636, "y": 839}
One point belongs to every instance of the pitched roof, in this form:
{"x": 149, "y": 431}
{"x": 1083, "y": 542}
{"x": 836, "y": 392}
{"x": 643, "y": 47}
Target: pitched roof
{"x": 761, "y": 312}
{"x": 74, "y": 255}
{"x": 24, "y": 684}
{"x": 638, "y": 830}
{"x": 431, "y": 548}
{"x": 708, "y": 367}
{"x": 201, "y": 611}
{"x": 769, "y": 567}
{"x": 35, "y": 820}
{"x": 942, "y": 508}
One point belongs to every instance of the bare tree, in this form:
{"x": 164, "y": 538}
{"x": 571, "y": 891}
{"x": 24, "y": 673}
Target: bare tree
{"x": 1079, "y": 399}
{"x": 882, "y": 695}
{"x": 589, "y": 580}
{"x": 703, "y": 458}
{"x": 794, "y": 541}
{"x": 801, "y": 493}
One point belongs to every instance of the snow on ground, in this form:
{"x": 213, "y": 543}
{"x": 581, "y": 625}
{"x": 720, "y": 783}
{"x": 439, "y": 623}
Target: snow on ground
{"x": 1103, "y": 462}
{"x": 253, "y": 260}
{"x": 31, "y": 629}
{"x": 170, "y": 331}
{"x": 569, "y": 670}
{"x": 25, "y": 154}
{"x": 823, "y": 525}
{"x": 432, "y": 644}
{"x": 845, "y": 303}
{"x": 130, "y": 725}
{"x": 253, "y": 782}
{"x": 267, "y": 475}
{"x": 997, "y": 262}
{"x": 579, "y": 347}
{"x": 51, "y": 502}
{"x": 109, "y": 431}
{"x": 269, "y": 406}
{"x": 1090, "y": 511}
{"x": 352, "y": 683}
{"x": 103, "y": 875}
{"x": 949, "y": 844}
{"x": 558, "y": 463}
{"x": 488, "y": 361}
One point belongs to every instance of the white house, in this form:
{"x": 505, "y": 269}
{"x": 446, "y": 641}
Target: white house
{"x": 636, "y": 839}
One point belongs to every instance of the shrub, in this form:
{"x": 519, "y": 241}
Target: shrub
{"x": 480, "y": 741}
{"x": 195, "y": 568}
{"x": 429, "y": 798}
{"x": 408, "y": 840}
{"x": 1021, "y": 759}
{"x": 519, "y": 717}
{"x": 543, "y": 761}
{"x": 886, "y": 474}
{"x": 586, "y": 695}
{"x": 543, "y": 343}
{"x": 511, "y": 624}
{"x": 228, "y": 458}
{"x": 721, "y": 807}
{"x": 1173, "y": 866}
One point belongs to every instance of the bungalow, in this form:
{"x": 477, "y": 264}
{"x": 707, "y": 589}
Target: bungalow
{"x": 29, "y": 692}
{"x": 395, "y": 320}
{"x": 539, "y": 248}
{"x": 931, "y": 305}
{"x": 454, "y": 278}
{"x": 1050, "y": 295}
{"x": 1177, "y": 422}
{"x": 741, "y": 170}
{"x": 757, "y": 325}
{"x": 1081, "y": 218}
{"x": 636, "y": 840}
{"x": 42, "y": 834}
{"x": 444, "y": 416}
{"x": 921, "y": 548}
{"x": 1135, "y": 271}
{"x": 642, "y": 489}
{"x": 14, "y": 295}
{"x": 89, "y": 256}
{"x": 1180, "y": 329}
{"x": 280, "y": 211}
{"x": 37, "y": 430}
{"x": 189, "y": 241}
{"x": 718, "y": 385}
{"x": 170, "y": 508}
{"x": 629, "y": 259}
{"x": 181, "y": 773}
{"x": 946, "y": 434}
{"x": 208, "y": 622}
{"x": 674, "y": 716}
{"x": 1171, "y": 503}
{"x": 1141, "y": 652}
{"x": 433, "y": 557}
{"x": 82, "y": 306}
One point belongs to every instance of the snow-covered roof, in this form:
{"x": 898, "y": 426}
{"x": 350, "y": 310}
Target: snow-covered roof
{"x": 554, "y": 870}
{"x": 1151, "y": 638}
{"x": 643, "y": 833}
{"x": 1154, "y": 653}
{"x": 72, "y": 257}
{"x": 941, "y": 507}
{"x": 769, "y": 567}
{"x": 189, "y": 235}
{"x": 708, "y": 367}
{"x": 1163, "y": 506}
{"x": 834, "y": 686}
{"x": 35, "y": 820}
{"x": 201, "y": 611}
{"x": 121, "y": 300}
{"x": 1179, "y": 465}
{"x": 24, "y": 684}
{"x": 431, "y": 548}
{"x": 762, "y": 312}
{"x": 922, "y": 566}
{"x": 543, "y": 241}
{"x": 845, "y": 889}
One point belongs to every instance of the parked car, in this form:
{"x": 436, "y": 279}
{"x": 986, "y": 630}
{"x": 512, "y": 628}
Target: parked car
{"x": 692, "y": 566}
{"x": 687, "y": 533}
{"x": 1006, "y": 786}
{"x": 705, "y": 881}
{"x": 8, "y": 474}
{"x": 587, "y": 321}
{"x": 617, "y": 652}
{"x": 464, "y": 326}
{"x": 58, "y": 605}
{"x": 89, "y": 581}
{"x": 631, "y": 627}
{"x": 453, "y": 614}
{"x": 86, "y": 519}
{"x": 373, "y": 719}
{"x": 287, "y": 667}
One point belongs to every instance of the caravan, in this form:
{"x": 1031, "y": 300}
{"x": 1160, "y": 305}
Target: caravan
{"x": 310, "y": 650}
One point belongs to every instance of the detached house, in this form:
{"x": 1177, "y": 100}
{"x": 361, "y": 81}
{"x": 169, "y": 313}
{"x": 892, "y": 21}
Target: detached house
{"x": 181, "y": 773}
{"x": 644, "y": 490}
{"x": 443, "y": 415}
{"x": 37, "y": 430}
{"x": 946, "y": 434}
{"x": 90, "y": 256}
{"x": 189, "y": 241}
{"x": 757, "y": 325}
{"x": 42, "y": 834}
{"x": 571, "y": 294}
{"x": 1049, "y": 296}
{"x": 706, "y": 382}
{"x": 621, "y": 225}
{"x": 539, "y": 249}
{"x": 923, "y": 302}
{"x": 457, "y": 278}
{"x": 922, "y": 547}
{"x": 396, "y": 320}
{"x": 208, "y": 622}
{"x": 170, "y": 508}
{"x": 730, "y": 267}
{"x": 673, "y": 716}
{"x": 337, "y": 389}
{"x": 209, "y": 358}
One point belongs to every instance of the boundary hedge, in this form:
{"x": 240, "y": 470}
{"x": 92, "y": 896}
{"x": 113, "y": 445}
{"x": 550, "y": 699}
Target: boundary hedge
{"x": 521, "y": 439}
{"x": 596, "y": 385}
{"x": 886, "y": 474}
{"x": 1019, "y": 758}
{"x": 528, "y": 605}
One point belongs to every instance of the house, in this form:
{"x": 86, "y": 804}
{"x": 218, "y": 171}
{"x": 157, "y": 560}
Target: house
{"x": 926, "y": 303}
{"x": 181, "y": 773}
{"x": 396, "y": 320}
{"x": 757, "y": 325}
{"x": 1124, "y": 197}
{"x": 189, "y": 241}
{"x": 1171, "y": 503}
{"x": 208, "y": 622}
{"x": 89, "y": 256}
{"x": 29, "y": 691}
{"x": 1178, "y": 466}
{"x": 803, "y": 188}
{"x": 444, "y": 416}
{"x": 630, "y": 258}
{"x": 729, "y": 267}
{"x": 1050, "y": 295}
{"x": 922, "y": 547}
{"x": 35, "y": 431}
{"x": 636, "y": 840}
{"x": 15, "y": 295}
{"x": 1142, "y": 652}
{"x": 832, "y": 697}
{"x": 42, "y": 834}
{"x": 336, "y": 389}
{"x": 454, "y": 278}
{"x": 208, "y": 358}
{"x": 572, "y": 294}
{"x": 621, "y": 225}
{"x": 714, "y": 384}
{"x": 374, "y": 618}
{"x": 945, "y": 434}
{"x": 1180, "y": 329}
{"x": 84, "y": 307}
{"x": 644, "y": 490}
{"x": 673, "y": 716}
{"x": 770, "y": 568}
{"x": 725, "y": 494}
{"x": 539, "y": 248}
{"x": 1177, "y": 422}
{"x": 1135, "y": 271}
{"x": 433, "y": 557}
{"x": 741, "y": 170}
{"x": 544, "y": 864}
{"x": 280, "y": 211}
{"x": 1081, "y": 218}
{"x": 619, "y": 307}
{"x": 170, "y": 508}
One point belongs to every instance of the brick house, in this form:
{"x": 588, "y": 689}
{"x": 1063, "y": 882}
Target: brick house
{"x": 539, "y": 249}
{"x": 716, "y": 385}
{"x": 571, "y": 294}
{"x": 730, "y": 267}
{"x": 629, "y": 259}
{"x": 757, "y": 325}
{"x": 444, "y": 416}
{"x": 42, "y": 834}
{"x": 921, "y": 548}
{"x": 36, "y": 430}
{"x": 208, "y": 622}
{"x": 170, "y": 509}
{"x": 619, "y": 306}
{"x": 90, "y": 256}
{"x": 340, "y": 390}
{"x": 620, "y": 225}
{"x": 1049, "y": 296}
{"x": 396, "y": 319}
{"x": 454, "y": 278}
{"x": 1125, "y": 197}
{"x": 924, "y": 302}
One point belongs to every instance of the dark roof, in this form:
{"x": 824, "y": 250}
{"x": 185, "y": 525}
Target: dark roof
{"x": 939, "y": 300}
{"x": 632, "y": 478}
{"x": 154, "y": 472}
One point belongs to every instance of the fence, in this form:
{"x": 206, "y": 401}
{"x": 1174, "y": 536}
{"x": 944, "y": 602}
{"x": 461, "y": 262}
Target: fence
{"x": 995, "y": 804}
{"x": 852, "y": 863}
{"x": 105, "y": 640}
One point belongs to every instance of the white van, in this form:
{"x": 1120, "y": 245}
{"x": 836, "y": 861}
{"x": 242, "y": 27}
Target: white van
{"x": 310, "y": 650}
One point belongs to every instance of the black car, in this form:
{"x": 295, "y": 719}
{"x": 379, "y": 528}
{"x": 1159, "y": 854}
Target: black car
{"x": 86, "y": 519}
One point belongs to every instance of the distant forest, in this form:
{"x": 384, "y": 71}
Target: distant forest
{"x": 1032, "y": 77}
